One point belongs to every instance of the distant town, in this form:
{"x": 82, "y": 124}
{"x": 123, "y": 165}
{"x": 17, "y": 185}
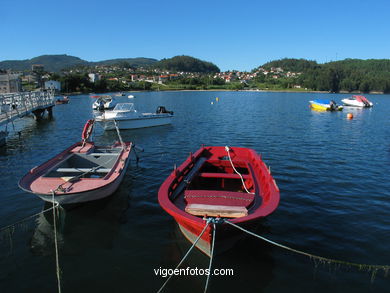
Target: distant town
{"x": 71, "y": 75}
{"x": 157, "y": 79}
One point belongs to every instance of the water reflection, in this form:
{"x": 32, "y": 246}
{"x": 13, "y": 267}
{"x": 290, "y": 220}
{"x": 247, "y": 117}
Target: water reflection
{"x": 250, "y": 259}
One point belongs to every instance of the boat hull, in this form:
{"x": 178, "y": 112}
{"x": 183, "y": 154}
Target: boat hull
{"x": 324, "y": 107}
{"x": 135, "y": 123}
{"x": 354, "y": 103}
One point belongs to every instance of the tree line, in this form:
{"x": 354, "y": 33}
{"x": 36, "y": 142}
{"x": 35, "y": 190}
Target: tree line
{"x": 346, "y": 75}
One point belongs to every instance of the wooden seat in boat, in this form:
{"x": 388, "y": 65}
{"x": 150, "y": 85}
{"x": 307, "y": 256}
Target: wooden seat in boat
{"x": 217, "y": 203}
{"x": 216, "y": 211}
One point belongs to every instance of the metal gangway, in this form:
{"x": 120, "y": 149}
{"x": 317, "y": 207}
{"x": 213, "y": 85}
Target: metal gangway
{"x": 18, "y": 105}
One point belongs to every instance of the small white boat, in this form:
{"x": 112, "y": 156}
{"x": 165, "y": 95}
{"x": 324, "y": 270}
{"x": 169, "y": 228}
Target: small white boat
{"x": 130, "y": 96}
{"x": 104, "y": 103}
{"x": 357, "y": 101}
{"x": 127, "y": 117}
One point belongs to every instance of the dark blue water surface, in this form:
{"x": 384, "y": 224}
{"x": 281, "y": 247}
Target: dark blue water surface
{"x": 333, "y": 175}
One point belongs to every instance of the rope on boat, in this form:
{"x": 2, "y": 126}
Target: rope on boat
{"x": 370, "y": 268}
{"x": 235, "y": 170}
{"x": 211, "y": 258}
{"x": 58, "y": 272}
{"x": 188, "y": 252}
{"x": 119, "y": 133}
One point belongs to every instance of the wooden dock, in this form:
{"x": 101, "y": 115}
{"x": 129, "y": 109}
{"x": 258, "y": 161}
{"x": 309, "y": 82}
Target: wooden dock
{"x": 18, "y": 105}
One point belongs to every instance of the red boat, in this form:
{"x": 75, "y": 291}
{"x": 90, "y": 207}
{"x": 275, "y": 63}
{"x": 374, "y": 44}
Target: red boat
{"x": 83, "y": 172}
{"x": 218, "y": 182}
{"x": 65, "y": 100}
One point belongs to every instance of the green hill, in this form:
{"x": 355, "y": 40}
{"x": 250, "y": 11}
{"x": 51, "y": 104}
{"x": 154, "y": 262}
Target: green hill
{"x": 133, "y": 62}
{"x": 350, "y": 75}
{"x": 291, "y": 64}
{"x": 186, "y": 64}
{"x": 55, "y": 63}
{"x": 52, "y": 63}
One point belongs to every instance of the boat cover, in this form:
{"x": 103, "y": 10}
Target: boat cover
{"x": 362, "y": 99}
{"x": 322, "y": 101}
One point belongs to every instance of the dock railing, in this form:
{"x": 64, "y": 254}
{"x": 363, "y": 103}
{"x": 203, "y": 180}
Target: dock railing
{"x": 18, "y": 105}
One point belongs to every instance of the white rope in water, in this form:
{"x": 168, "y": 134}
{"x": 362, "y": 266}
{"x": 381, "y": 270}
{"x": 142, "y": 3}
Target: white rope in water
{"x": 235, "y": 170}
{"x": 373, "y": 268}
{"x": 119, "y": 134}
{"x": 27, "y": 218}
{"x": 58, "y": 272}
{"x": 185, "y": 256}
{"x": 211, "y": 259}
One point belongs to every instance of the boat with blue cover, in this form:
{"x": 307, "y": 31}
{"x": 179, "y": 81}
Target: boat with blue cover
{"x": 325, "y": 105}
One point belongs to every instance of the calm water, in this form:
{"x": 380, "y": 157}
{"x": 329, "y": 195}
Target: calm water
{"x": 333, "y": 175}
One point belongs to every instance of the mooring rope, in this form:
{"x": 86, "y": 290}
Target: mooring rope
{"x": 368, "y": 267}
{"x": 58, "y": 272}
{"x": 27, "y": 218}
{"x": 119, "y": 133}
{"x": 235, "y": 170}
{"x": 188, "y": 252}
{"x": 211, "y": 258}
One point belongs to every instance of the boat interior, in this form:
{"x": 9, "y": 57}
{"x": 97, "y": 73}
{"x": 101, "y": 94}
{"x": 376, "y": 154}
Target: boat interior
{"x": 214, "y": 189}
{"x": 95, "y": 164}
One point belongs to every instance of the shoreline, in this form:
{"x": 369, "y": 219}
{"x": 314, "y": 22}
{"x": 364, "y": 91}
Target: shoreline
{"x": 228, "y": 90}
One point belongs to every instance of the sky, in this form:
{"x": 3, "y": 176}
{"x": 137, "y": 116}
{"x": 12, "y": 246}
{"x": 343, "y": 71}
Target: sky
{"x": 234, "y": 35}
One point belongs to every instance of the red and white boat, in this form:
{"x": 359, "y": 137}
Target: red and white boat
{"x": 219, "y": 182}
{"x": 83, "y": 172}
{"x": 357, "y": 101}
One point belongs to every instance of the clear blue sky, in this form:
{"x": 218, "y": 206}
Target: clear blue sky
{"x": 232, "y": 34}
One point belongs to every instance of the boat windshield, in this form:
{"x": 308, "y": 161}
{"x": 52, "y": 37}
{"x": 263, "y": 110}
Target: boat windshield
{"x": 124, "y": 107}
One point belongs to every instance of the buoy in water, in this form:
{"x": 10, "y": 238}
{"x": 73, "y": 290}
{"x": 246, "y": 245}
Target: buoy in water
{"x": 350, "y": 116}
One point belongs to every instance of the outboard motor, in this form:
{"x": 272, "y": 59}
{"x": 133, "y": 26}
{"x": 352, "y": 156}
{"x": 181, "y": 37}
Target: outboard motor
{"x": 101, "y": 105}
{"x": 333, "y": 105}
{"x": 162, "y": 110}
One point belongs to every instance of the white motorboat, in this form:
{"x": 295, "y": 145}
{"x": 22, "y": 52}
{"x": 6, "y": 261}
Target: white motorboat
{"x": 104, "y": 103}
{"x": 130, "y": 96}
{"x": 357, "y": 101}
{"x": 127, "y": 117}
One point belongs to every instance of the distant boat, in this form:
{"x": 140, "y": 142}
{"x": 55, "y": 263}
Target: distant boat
{"x": 83, "y": 172}
{"x": 120, "y": 94}
{"x": 127, "y": 117}
{"x": 130, "y": 96}
{"x": 325, "y": 105}
{"x": 221, "y": 182}
{"x": 64, "y": 100}
{"x": 357, "y": 101}
{"x": 104, "y": 102}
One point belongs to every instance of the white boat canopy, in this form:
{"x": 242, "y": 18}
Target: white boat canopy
{"x": 124, "y": 107}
